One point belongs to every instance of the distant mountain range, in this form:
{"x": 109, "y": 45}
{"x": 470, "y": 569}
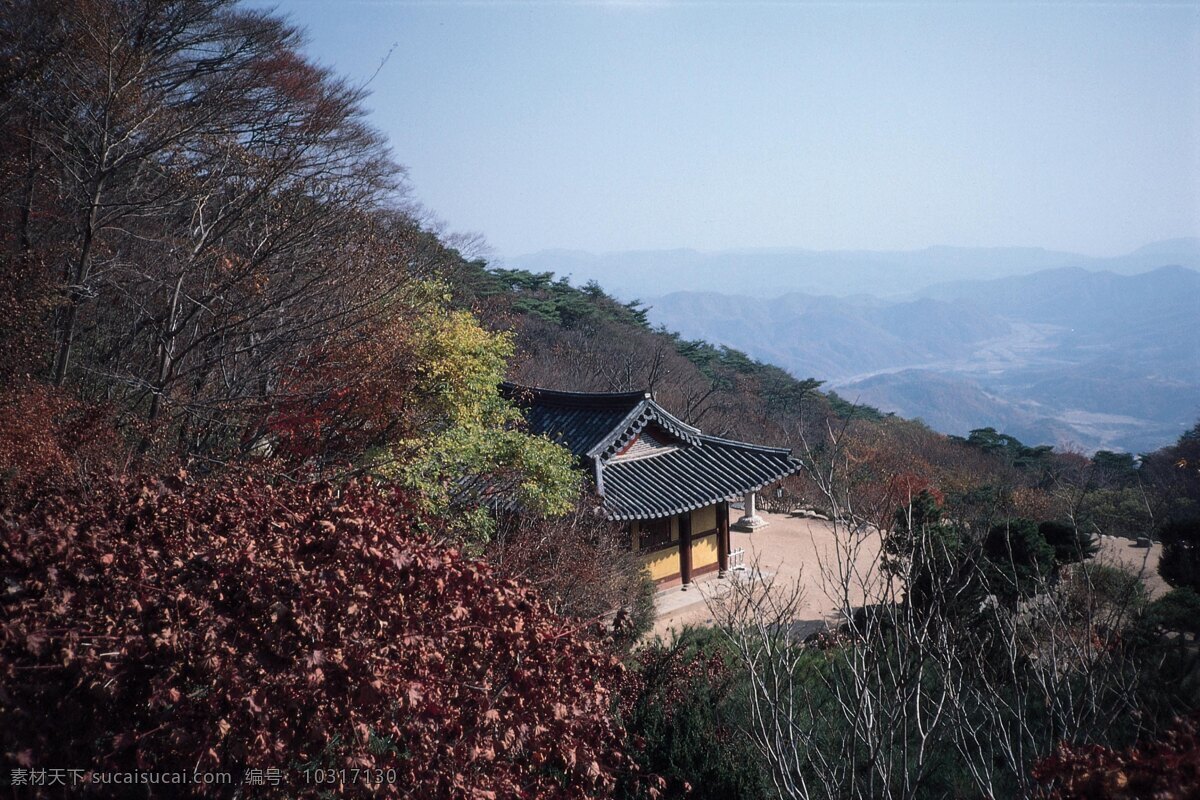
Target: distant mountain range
{"x": 778, "y": 271}
{"x": 1051, "y": 347}
{"x": 1066, "y": 356}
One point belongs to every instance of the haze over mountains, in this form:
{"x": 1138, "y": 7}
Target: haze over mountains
{"x": 771, "y": 272}
{"x": 1052, "y": 348}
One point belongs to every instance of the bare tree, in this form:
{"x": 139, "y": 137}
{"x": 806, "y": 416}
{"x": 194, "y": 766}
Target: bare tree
{"x": 214, "y": 207}
{"x": 934, "y": 649}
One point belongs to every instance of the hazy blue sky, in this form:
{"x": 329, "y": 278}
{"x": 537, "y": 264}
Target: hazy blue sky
{"x": 627, "y": 125}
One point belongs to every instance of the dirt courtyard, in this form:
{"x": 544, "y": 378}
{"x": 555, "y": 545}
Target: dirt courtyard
{"x": 791, "y": 549}
{"x": 788, "y": 549}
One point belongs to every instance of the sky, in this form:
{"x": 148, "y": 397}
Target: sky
{"x": 607, "y": 126}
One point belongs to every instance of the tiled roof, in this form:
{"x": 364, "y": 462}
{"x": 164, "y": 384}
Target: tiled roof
{"x": 577, "y": 420}
{"x": 698, "y": 471}
{"x": 687, "y": 478}
{"x": 594, "y": 423}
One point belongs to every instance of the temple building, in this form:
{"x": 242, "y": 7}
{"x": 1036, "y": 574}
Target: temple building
{"x": 671, "y": 483}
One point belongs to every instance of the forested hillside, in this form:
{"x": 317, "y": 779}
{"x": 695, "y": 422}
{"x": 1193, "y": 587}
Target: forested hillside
{"x": 584, "y": 339}
{"x": 237, "y": 407}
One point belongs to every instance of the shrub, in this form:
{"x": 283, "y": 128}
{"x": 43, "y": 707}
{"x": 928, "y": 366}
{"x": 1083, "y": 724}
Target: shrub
{"x": 1102, "y": 594}
{"x": 685, "y": 715}
{"x": 1168, "y": 659}
{"x": 1179, "y": 563}
{"x": 1070, "y": 544}
{"x": 50, "y": 439}
{"x": 1116, "y": 586}
{"x": 171, "y": 625}
{"x": 1177, "y": 610}
{"x": 1018, "y": 558}
{"x": 927, "y": 555}
{"x": 581, "y": 564}
{"x": 1166, "y": 769}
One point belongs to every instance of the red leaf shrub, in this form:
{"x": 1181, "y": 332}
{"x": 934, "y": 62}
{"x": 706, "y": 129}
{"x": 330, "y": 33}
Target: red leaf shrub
{"x": 1168, "y": 769}
{"x": 165, "y": 625}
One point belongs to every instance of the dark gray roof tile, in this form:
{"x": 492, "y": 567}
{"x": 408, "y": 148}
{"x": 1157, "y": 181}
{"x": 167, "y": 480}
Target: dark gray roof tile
{"x": 700, "y": 471}
{"x": 577, "y": 420}
{"x": 688, "y": 478}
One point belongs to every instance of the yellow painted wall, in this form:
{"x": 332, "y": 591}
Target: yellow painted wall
{"x": 704, "y": 519}
{"x": 704, "y": 551}
{"x": 663, "y": 563}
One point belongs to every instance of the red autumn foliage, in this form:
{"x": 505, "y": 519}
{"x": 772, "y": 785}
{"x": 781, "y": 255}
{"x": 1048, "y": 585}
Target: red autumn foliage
{"x": 50, "y": 439}
{"x": 342, "y": 400}
{"x": 172, "y": 624}
{"x": 1168, "y": 769}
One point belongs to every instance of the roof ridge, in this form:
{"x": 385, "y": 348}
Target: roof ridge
{"x": 517, "y": 391}
{"x": 619, "y": 432}
{"x": 674, "y": 419}
{"x": 745, "y": 445}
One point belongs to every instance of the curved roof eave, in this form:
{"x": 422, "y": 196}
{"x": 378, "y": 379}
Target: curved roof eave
{"x": 658, "y": 502}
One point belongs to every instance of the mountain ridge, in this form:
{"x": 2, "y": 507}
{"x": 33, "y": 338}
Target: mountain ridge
{"x": 1092, "y": 359}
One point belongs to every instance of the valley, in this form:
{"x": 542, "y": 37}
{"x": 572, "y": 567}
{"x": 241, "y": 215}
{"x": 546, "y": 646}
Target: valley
{"x": 1081, "y": 359}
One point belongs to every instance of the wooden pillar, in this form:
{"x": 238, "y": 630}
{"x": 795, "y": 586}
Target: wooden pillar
{"x": 685, "y": 548}
{"x": 722, "y": 538}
